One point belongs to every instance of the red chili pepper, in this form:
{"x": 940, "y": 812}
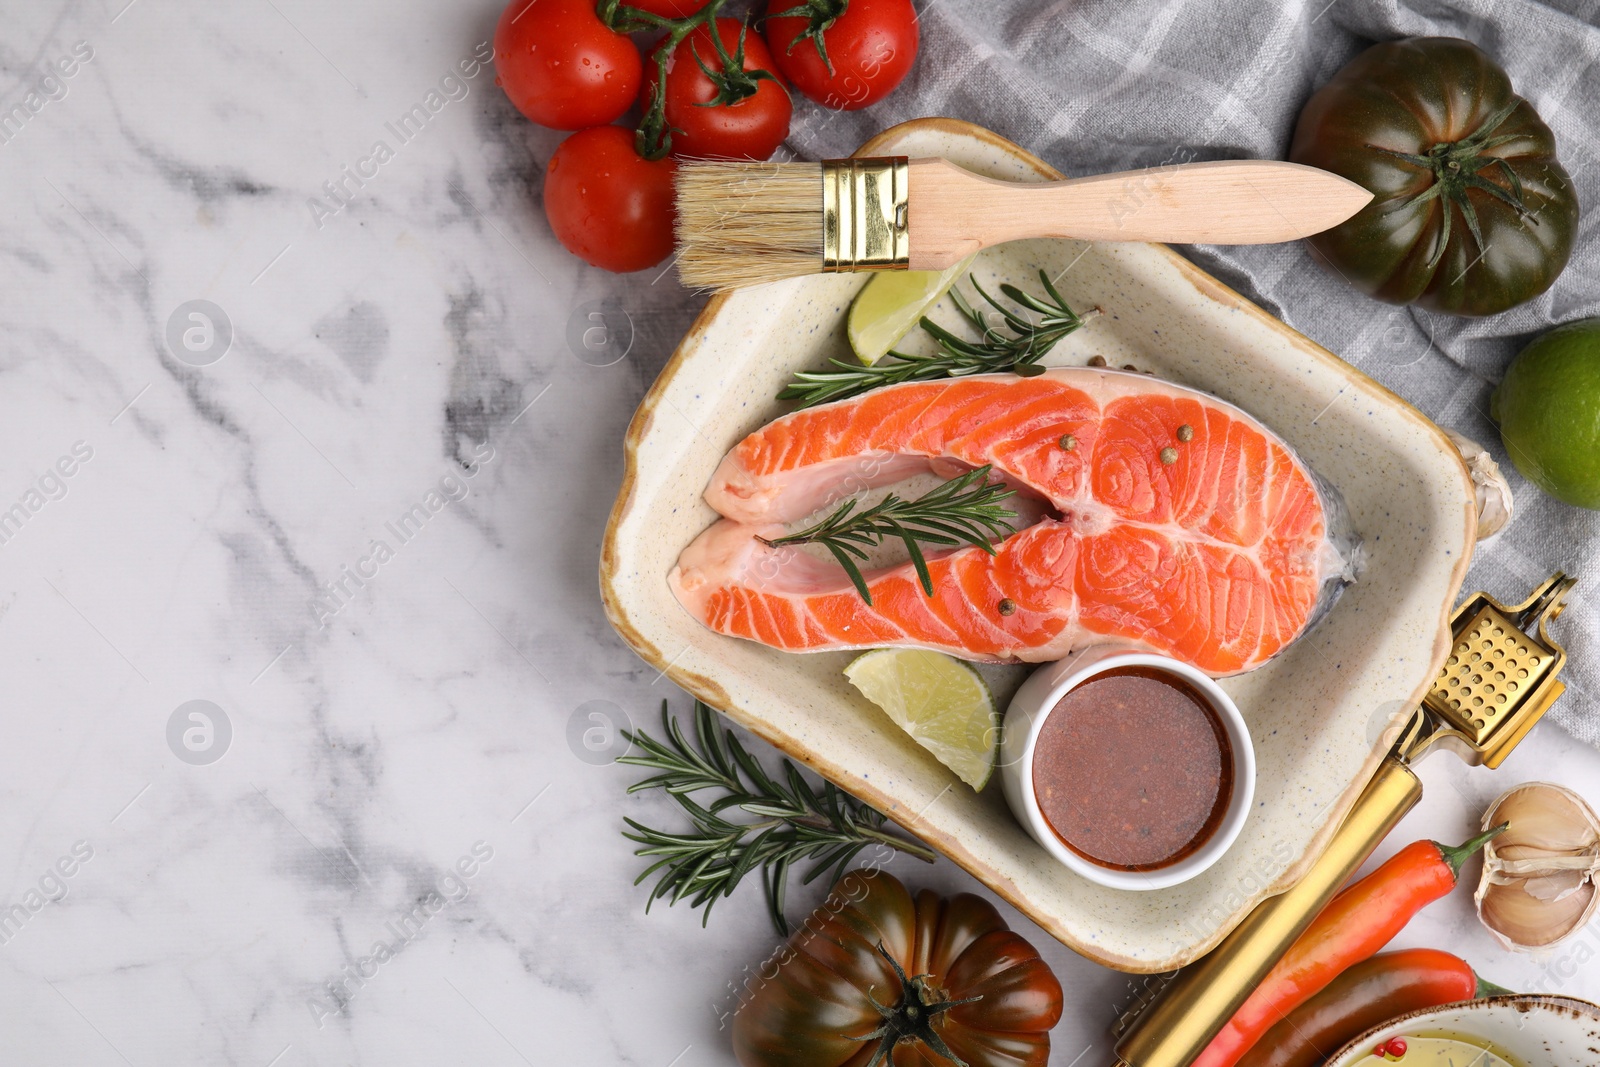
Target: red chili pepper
{"x": 1358, "y": 922}
{"x": 1367, "y": 994}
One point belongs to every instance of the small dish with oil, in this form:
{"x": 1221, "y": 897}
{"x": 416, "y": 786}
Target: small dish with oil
{"x": 1522, "y": 1030}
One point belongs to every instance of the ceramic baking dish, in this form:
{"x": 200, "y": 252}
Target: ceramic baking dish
{"x": 1318, "y": 712}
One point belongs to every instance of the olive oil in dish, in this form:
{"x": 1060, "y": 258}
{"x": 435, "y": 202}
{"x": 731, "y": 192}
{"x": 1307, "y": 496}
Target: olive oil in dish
{"x": 1443, "y": 1050}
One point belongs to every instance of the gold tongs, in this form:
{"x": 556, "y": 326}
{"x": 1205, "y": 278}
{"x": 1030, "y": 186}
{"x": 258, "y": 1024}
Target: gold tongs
{"x": 1497, "y": 682}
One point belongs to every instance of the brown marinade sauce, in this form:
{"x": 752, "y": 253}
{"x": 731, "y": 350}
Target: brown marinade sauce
{"x": 1133, "y": 769}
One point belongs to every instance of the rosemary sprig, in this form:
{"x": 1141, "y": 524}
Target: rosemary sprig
{"x": 956, "y": 513}
{"x": 1016, "y": 346}
{"x": 793, "y": 822}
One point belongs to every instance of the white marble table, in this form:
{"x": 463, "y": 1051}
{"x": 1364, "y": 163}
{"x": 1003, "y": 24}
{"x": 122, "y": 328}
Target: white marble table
{"x": 389, "y": 364}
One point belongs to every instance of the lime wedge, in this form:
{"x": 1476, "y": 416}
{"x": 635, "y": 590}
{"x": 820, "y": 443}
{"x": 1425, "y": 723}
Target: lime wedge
{"x": 941, "y": 702}
{"x": 891, "y": 303}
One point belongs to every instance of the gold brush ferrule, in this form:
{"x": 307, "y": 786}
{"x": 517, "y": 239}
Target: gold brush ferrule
{"x": 866, "y": 205}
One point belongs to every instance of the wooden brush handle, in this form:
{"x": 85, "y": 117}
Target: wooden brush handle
{"x": 954, "y": 212}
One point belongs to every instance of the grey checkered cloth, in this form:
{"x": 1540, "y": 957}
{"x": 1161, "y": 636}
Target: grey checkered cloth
{"x": 1107, "y": 85}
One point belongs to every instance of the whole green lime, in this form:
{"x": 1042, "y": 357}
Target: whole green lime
{"x": 1548, "y": 408}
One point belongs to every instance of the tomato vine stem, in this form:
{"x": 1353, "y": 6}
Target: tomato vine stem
{"x": 911, "y": 1016}
{"x": 1455, "y": 166}
{"x": 820, "y": 15}
{"x": 653, "y": 136}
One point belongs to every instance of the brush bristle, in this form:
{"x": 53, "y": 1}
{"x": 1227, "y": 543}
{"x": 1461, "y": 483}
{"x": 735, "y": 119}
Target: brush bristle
{"x": 747, "y": 223}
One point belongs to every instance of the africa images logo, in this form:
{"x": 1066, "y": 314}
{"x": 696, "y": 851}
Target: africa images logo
{"x": 199, "y": 732}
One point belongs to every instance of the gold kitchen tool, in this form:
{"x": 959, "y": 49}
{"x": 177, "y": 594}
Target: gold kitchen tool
{"x": 1497, "y": 682}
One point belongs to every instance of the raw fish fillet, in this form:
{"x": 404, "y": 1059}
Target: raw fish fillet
{"x": 1217, "y": 558}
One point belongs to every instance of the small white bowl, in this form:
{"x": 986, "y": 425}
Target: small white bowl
{"x": 1026, "y": 717}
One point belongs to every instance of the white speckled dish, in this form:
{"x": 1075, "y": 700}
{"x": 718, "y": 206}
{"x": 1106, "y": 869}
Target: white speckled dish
{"x": 1535, "y": 1031}
{"x": 1317, "y": 712}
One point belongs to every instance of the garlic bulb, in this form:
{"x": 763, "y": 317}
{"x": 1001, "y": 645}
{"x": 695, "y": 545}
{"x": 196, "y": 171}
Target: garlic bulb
{"x": 1538, "y": 885}
{"x": 1492, "y": 492}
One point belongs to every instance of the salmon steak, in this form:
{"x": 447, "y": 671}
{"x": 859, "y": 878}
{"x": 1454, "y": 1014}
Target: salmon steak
{"x": 1169, "y": 521}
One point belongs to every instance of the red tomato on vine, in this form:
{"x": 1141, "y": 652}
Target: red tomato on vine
{"x": 844, "y": 54}
{"x": 561, "y": 66}
{"x": 722, "y": 99}
{"x": 606, "y": 203}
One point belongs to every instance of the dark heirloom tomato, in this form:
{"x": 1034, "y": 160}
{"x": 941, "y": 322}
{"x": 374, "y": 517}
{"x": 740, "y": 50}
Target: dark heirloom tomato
{"x": 927, "y": 980}
{"x": 1471, "y": 213}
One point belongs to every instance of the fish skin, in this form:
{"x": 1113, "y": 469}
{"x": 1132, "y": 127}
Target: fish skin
{"x": 1217, "y": 559}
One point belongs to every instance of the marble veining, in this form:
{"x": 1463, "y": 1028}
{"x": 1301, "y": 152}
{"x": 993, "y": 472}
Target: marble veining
{"x": 400, "y": 855}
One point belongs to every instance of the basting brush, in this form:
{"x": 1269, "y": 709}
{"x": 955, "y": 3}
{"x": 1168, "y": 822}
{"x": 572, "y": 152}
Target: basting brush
{"x": 745, "y": 223}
